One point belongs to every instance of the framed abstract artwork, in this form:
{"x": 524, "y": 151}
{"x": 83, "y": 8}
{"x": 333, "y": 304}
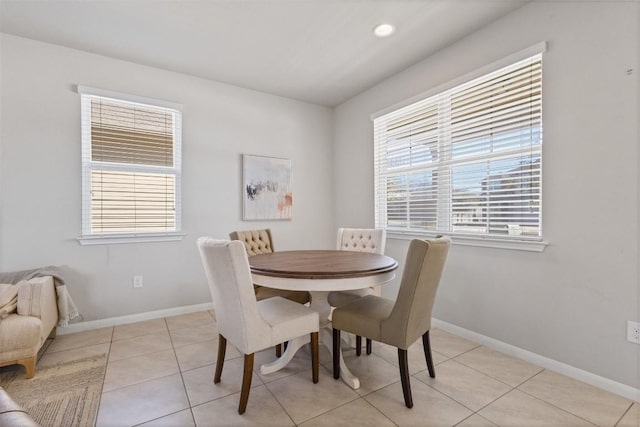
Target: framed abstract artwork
{"x": 266, "y": 186}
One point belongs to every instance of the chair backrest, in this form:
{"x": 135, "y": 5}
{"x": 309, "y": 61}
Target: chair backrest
{"x": 411, "y": 314}
{"x": 362, "y": 240}
{"x": 227, "y": 268}
{"x": 256, "y": 242}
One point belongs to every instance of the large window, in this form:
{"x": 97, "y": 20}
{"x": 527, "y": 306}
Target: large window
{"x": 130, "y": 168}
{"x": 465, "y": 161}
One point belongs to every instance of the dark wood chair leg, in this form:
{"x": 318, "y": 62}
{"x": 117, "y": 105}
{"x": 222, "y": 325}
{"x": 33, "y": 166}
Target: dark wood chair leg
{"x": 286, "y": 343}
{"x": 358, "y": 345}
{"x": 246, "y": 382}
{"x": 368, "y": 346}
{"x": 279, "y": 350}
{"x": 404, "y": 377}
{"x": 336, "y": 353}
{"x": 314, "y": 356}
{"x": 222, "y": 348}
{"x": 426, "y": 344}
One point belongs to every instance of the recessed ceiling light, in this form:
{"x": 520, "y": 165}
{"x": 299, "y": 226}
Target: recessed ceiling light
{"x": 384, "y": 30}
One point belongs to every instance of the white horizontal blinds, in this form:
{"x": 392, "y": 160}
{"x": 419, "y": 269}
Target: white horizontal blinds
{"x": 129, "y": 133}
{"x": 132, "y": 202}
{"x": 130, "y": 165}
{"x": 465, "y": 161}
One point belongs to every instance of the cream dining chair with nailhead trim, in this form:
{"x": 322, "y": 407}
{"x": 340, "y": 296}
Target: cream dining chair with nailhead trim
{"x": 370, "y": 240}
{"x": 248, "y": 324}
{"x": 258, "y": 242}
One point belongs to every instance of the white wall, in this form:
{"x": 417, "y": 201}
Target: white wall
{"x": 40, "y": 174}
{"x": 571, "y": 302}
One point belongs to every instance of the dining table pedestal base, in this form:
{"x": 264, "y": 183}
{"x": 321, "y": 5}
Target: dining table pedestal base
{"x": 320, "y": 304}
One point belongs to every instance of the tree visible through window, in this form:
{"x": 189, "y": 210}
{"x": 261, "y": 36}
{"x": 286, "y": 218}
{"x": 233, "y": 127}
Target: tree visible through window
{"x": 466, "y": 161}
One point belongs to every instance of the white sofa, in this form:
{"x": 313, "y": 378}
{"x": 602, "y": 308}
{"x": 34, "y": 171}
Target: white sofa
{"x": 23, "y": 333}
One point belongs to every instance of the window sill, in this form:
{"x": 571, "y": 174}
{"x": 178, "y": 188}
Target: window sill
{"x": 113, "y": 239}
{"x": 484, "y": 242}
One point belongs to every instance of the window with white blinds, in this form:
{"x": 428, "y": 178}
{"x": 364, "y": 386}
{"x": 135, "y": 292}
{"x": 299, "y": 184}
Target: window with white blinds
{"x": 466, "y": 161}
{"x": 131, "y": 167}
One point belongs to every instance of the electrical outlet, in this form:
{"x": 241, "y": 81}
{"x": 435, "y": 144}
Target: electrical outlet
{"x": 137, "y": 281}
{"x": 633, "y": 332}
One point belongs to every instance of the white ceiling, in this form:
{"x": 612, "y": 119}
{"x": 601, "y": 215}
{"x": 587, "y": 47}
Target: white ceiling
{"x": 320, "y": 51}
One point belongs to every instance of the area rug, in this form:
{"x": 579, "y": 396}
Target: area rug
{"x": 67, "y": 394}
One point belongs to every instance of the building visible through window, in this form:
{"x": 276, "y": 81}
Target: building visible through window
{"x": 466, "y": 161}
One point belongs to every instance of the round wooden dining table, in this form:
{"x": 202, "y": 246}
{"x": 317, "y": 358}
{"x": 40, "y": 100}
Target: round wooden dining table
{"x": 320, "y": 272}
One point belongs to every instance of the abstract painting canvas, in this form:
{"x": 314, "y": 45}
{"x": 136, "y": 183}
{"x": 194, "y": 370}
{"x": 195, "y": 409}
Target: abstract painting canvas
{"x": 266, "y": 188}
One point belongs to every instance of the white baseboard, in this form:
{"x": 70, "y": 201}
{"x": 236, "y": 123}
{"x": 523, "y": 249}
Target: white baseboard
{"x": 615, "y": 387}
{"x": 132, "y": 318}
{"x": 542, "y": 361}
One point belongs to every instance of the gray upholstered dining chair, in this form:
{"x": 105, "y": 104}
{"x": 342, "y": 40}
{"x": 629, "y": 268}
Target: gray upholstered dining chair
{"x": 401, "y": 322}
{"x": 370, "y": 240}
{"x": 258, "y": 242}
{"x": 248, "y": 324}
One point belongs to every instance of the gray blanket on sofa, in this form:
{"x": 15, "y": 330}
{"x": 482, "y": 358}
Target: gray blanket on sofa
{"x": 67, "y": 309}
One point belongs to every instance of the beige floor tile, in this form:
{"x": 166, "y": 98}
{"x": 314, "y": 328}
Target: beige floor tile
{"x": 356, "y": 413}
{"x": 179, "y": 419}
{"x": 498, "y": 365}
{"x": 132, "y": 330}
{"x": 373, "y": 372}
{"x": 190, "y": 320}
{"x": 59, "y": 357}
{"x": 135, "y": 370}
{"x": 145, "y": 344}
{"x": 186, "y": 336}
{"x": 302, "y": 399}
{"x": 262, "y": 410}
{"x": 448, "y": 344}
{"x": 476, "y": 420}
{"x": 142, "y": 402}
{"x": 465, "y": 385}
{"x": 324, "y": 355}
{"x": 212, "y": 313}
{"x": 519, "y": 409}
{"x": 202, "y": 353}
{"x": 631, "y": 418}
{"x": 80, "y": 339}
{"x": 300, "y": 362}
{"x": 431, "y": 408}
{"x": 417, "y": 361}
{"x": 588, "y": 402}
{"x": 200, "y": 386}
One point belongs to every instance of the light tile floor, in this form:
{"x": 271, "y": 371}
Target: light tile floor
{"x": 160, "y": 373}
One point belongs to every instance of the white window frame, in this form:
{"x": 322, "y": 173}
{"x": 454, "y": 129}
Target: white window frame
{"x": 89, "y": 238}
{"x": 492, "y": 241}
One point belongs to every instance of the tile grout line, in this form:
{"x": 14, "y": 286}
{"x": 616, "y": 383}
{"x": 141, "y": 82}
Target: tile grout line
{"x": 184, "y": 386}
{"x": 278, "y": 402}
{"x": 497, "y": 379}
{"x": 555, "y": 406}
{"x": 104, "y": 377}
{"x": 445, "y": 395}
{"x": 624, "y": 414}
{"x": 375, "y": 407}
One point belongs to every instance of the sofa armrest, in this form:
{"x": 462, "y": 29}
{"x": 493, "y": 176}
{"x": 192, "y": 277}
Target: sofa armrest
{"x": 37, "y": 298}
{"x": 13, "y": 415}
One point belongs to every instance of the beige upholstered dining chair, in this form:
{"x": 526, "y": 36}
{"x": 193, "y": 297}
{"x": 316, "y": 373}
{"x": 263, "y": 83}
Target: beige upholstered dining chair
{"x": 402, "y": 322}
{"x": 258, "y": 242}
{"x": 370, "y": 240}
{"x": 248, "y": 324}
